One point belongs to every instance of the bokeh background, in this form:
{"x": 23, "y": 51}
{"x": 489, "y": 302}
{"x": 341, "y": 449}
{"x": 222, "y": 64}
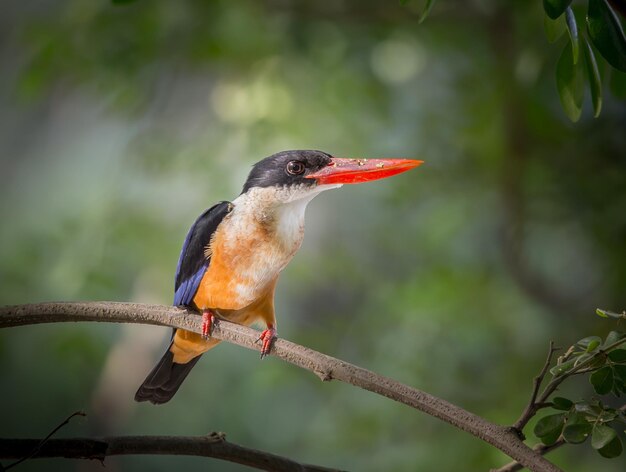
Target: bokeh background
{"x": 119, "y": 124}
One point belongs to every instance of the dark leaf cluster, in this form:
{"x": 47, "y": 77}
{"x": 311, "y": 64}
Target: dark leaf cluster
{"x": 604, "y": 34}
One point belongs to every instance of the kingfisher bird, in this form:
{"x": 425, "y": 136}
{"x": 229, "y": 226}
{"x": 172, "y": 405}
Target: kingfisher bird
{"x": 234, "y": 252}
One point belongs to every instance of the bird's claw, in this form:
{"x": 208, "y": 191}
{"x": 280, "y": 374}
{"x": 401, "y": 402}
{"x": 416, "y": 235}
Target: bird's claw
{"x": 209, "y": 320}
{"x": 267, "y": 338}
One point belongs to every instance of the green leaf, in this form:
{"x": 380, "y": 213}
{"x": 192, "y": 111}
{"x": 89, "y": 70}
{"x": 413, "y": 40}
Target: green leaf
{"x": 553, "y": 29}
{"x": 619, "y": 380}
{"x": 612, "y": 449}
{"x": 620, "y": 371}
{"x": 576, "y": 433}
{"x": 602, "y": 380}
{"x": 570, "y": 84}
{"x": 606, "y": 32}
{"x": 595, "y": 85}
{"x": 577, "y": 417}
{"x": 572, "y": 29}
{"x": 618, "y": 355}
{"x": 426, "y": 12}
{"x": 555, "y": 8}
{"x": 618, "y": 87}
{"x": 612, "y": 338}
{"x": 600, "y": 312}
{"x": 561, "y": 403}
{"x": 549, "y": 428}
{"x": 562, "y": 368}
{"x": 585, "y": 342}
{"x": 593, "y": 346}
{"x": 601, "y": 436}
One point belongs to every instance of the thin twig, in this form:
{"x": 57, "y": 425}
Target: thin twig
{"x": 579, "y": 369}
{"x": 213, "y": 445}
{"x": 325, "y": 367}
{"x": 533, "y": 406}
{"x": 38, "y": 447}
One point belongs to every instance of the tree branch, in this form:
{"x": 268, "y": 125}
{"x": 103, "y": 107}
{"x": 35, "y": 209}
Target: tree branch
{"x": 213, "y": 445}
{"x": 325, "y": 367}
{"x": 33, "y": 452}
{"x": 533, "y": 406}
{"x": 514, "y": 466}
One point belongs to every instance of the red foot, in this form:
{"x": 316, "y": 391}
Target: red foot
{"x": 267, "y": 338}
{"x": 208, "y": 323}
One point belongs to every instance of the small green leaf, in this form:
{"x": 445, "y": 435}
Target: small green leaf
{"x": 549, "y": 428}
{"x": 555, "y": 8}
{"x": 572, "y": 29}
{"x": 593, "y": 345}
{"x": 601, "y": 436}
{"x": 570, "y": 84}
{"x": 553, "y": 29}
{"x": 561, "y": 403}
{"x": 618, "y": 87}
{"x": 595, "y": 85}
{"x": 585, "y": 342}
{"x": 618, "y": 355}
{"x": 612, "y": 338}
{"x": 605, "y": 30}
{"x": 426, "y": 12}
{"x": 600, "y": 312}
{"x": 562, "y": 368}
{"x": 576, "y": 433}
{"x": 602, "y": 380}
{"x": 612, "y": 449}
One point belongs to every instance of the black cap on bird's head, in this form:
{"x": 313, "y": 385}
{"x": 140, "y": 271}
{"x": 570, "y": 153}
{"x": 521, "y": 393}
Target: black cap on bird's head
{"x": 287, "y": 168}
{"x": 308, "y": 169}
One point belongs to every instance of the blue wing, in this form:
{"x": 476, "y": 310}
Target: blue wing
{"x": 193, "y": 263}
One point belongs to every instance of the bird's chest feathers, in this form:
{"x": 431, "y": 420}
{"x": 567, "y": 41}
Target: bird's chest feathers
{"x": 273, "y": 232}
{"x": 254, "y": 243}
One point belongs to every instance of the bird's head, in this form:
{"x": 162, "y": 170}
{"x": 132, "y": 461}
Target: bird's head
{"x": 303, "y": 174}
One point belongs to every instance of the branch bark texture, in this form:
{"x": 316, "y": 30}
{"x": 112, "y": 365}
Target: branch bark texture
{"x": 213, "y": 445}
{"x": 326, "y": 367}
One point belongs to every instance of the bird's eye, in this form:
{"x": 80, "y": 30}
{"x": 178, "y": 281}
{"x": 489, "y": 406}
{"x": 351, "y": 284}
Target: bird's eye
{"x": 295, "y": 168}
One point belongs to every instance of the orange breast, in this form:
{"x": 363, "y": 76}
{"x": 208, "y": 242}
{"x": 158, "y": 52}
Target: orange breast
{"x": 243, "y": 271}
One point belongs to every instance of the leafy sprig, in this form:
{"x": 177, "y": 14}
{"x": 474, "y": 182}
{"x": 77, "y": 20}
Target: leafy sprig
{"x": 577, "y": 420}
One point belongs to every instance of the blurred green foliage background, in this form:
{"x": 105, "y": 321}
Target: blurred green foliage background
{"x": 120, "y": 124}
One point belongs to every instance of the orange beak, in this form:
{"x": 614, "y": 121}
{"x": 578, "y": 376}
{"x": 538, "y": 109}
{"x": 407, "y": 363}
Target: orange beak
{"x": 355, "y": 171}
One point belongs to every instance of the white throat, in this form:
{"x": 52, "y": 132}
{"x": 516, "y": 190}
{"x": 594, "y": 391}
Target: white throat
{"x": 280, "y": 210}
